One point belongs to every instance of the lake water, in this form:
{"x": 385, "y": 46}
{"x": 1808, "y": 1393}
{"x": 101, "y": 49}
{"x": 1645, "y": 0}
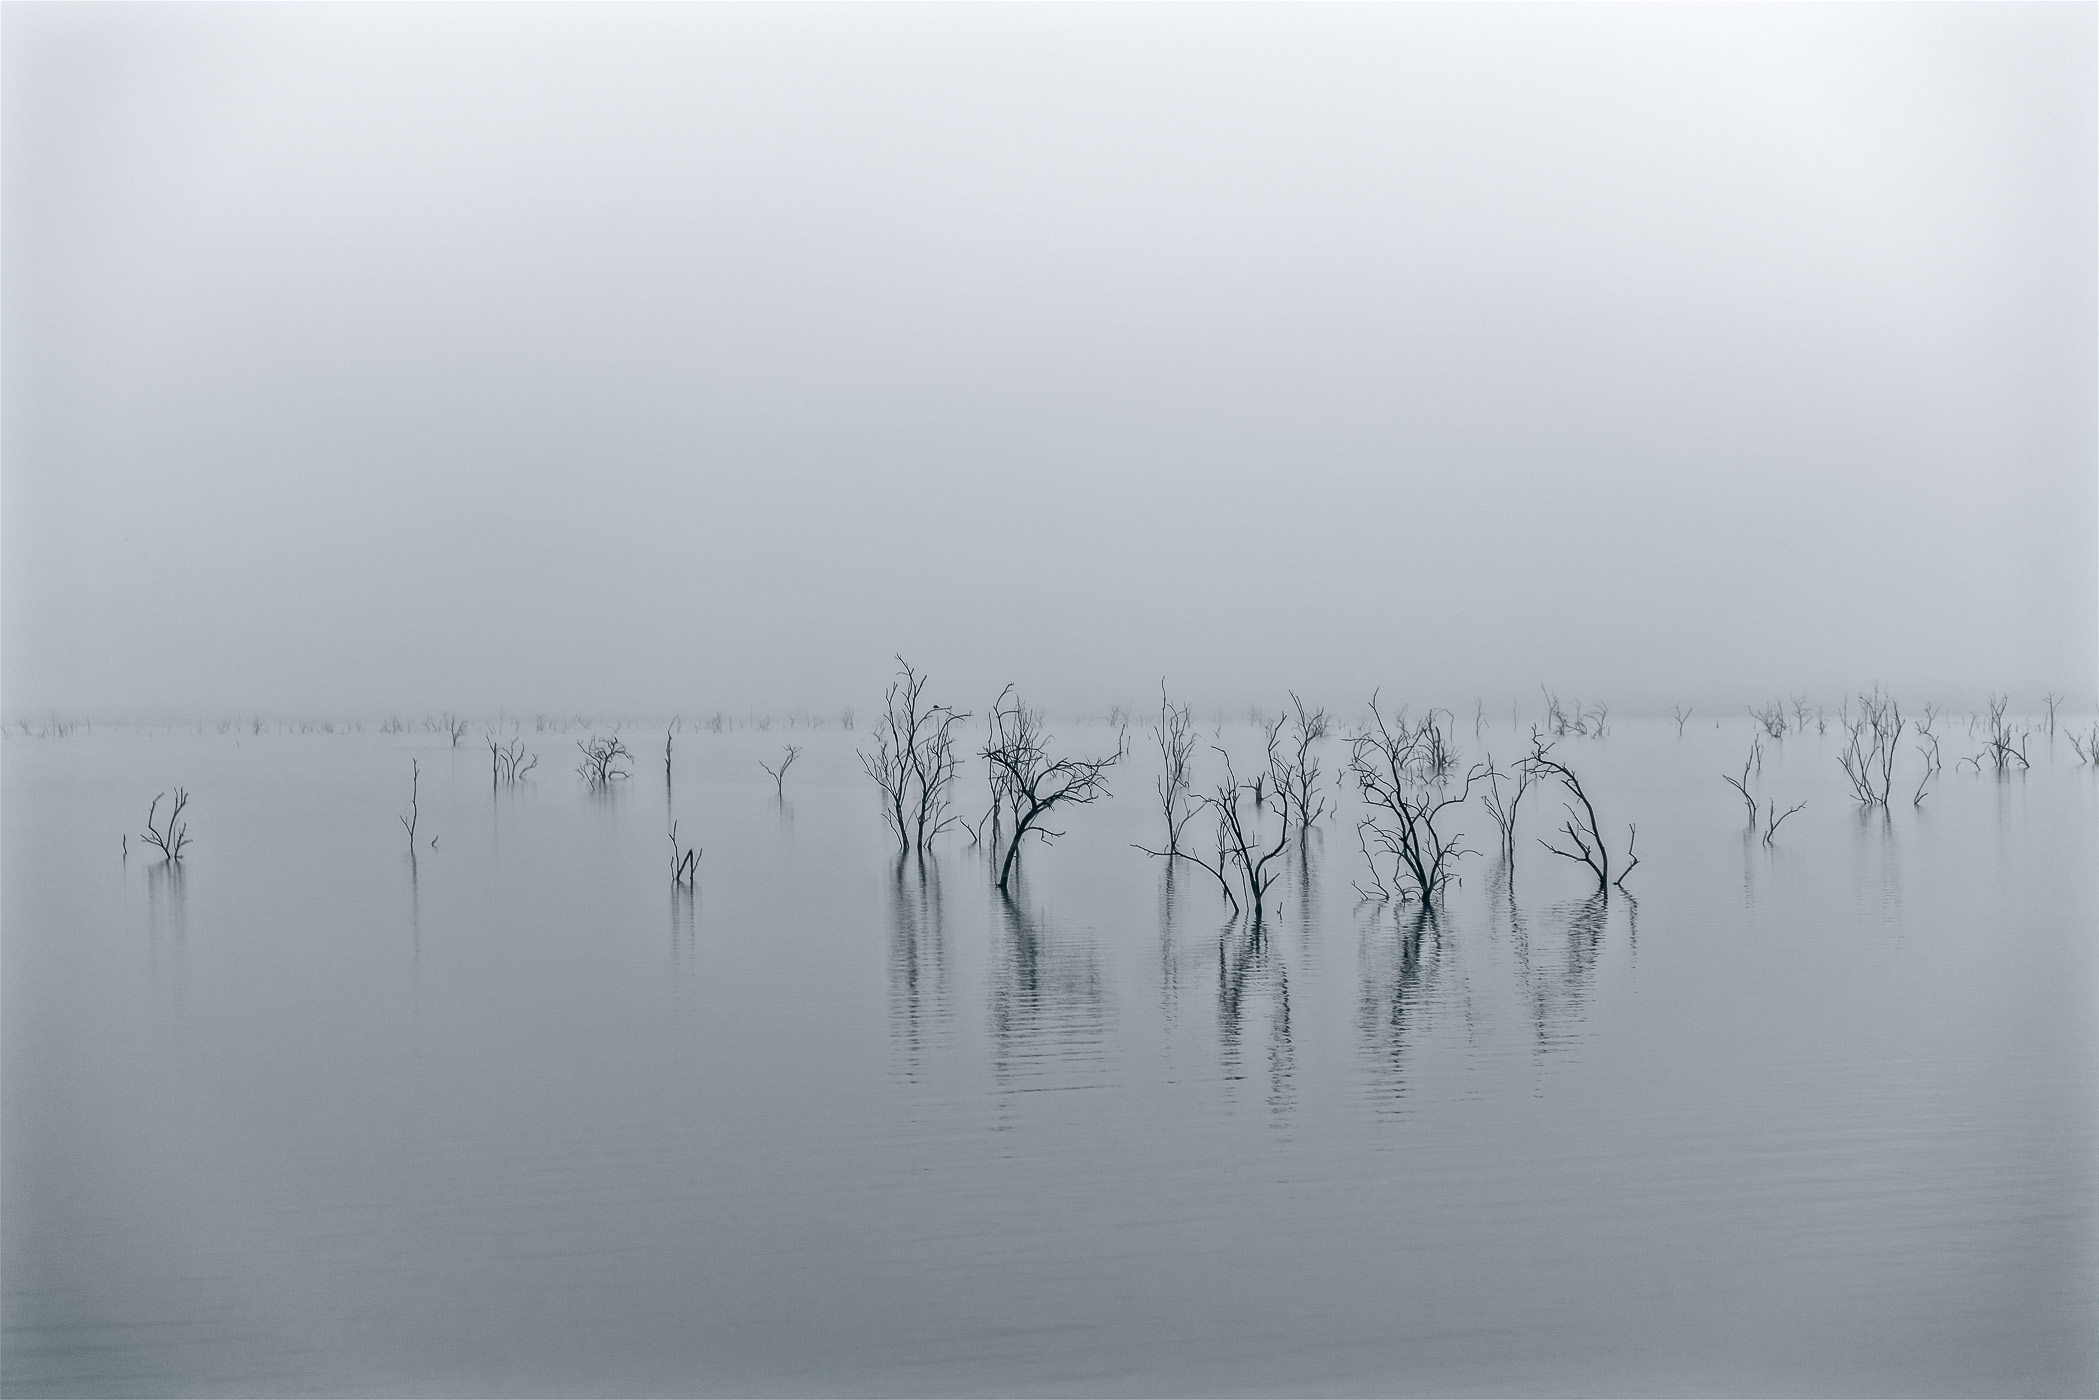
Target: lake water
{"x": 513, "y": 1118}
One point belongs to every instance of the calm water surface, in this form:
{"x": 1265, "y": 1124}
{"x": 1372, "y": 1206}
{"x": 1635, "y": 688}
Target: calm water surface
{"x": 512, "y": 1118}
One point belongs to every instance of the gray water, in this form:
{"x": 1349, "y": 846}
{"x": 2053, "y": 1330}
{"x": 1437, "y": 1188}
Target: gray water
{"x": 513, "y": 1118}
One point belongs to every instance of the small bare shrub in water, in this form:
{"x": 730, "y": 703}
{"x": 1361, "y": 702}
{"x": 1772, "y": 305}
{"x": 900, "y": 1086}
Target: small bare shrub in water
{"x": 605, "y": 761}
{"x": 171, "y": 836}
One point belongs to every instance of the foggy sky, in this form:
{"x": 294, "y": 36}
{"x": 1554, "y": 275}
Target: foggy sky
{"x": 664, "y": 358}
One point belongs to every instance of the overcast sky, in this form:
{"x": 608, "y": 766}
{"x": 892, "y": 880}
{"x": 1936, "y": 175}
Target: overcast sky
{"x": 663, "y": 358}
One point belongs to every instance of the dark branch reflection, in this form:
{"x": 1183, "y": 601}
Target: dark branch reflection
{"x": 1402, "y": 967}
{"x": 1562, "y": 971}
{"x": 685, "y": 950}
{"x": 167, "y": 928}
{"x": 1251, "y": 981}
{"x": 1049, "y": 1023}
{"x": 921, "y": 977}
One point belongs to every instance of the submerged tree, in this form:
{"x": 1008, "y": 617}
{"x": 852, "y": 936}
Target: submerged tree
{"x": 1245, "y": 859}
{"x": 779, "y": 774}
{"x": 685, "y": 862}
{"x": 1296, "y": 773}
{"x": 1868, "y": 757}
{"x": 1503, "y": 809}
{"x": 1403, "y": 770}
{"x": 1580, "y": 827}
{"x": 913, "y": 761}
{"x": 171, "y": 836}
{"x": 508, "y": 762}
{"x": 1175, "y": 734}
{"x": 605, "y": 761}
{"x": 1029, "y": 783}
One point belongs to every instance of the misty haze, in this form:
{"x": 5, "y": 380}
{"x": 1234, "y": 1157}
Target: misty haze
{"x": 1053, "y": 700}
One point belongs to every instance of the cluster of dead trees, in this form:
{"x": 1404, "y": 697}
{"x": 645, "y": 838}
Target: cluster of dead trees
{"x": 1408, "y": 773}
{"x": 915, "y": 763}
{"x": 1240, "y": 858}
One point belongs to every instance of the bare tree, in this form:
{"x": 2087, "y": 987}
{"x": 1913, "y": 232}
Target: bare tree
{"x": 1504, "y": 810}
{"x": 1271, "y": 736}
{"x": 2003, "y": 746}
{"x": 1580, "y": 827}
{"x": 1928, "y": 750}
{"x": 913, "y": 761}
{"x": 1401, "y": 770}
{"x": 1240, "y": 849}
{"x": 605, "y": 761}
{"x": 1175, "y": 734}
{"x": 1557, "y": 719}
{"x": 685, "y": 863}
{"x": 1681, "y": 713}
{"x": 1036, "y": 784}
{"x": 456, "y": 727}
{"x": 2051, "y": 700}
{"x": 1868, "y": 757}
{"x": 415, "y": 782}
{"x": 1800, "y": 713}
{"x": 1741, "y": 784}
{"x": 1772, "y": 717}
{"x": 172, "y": 836}
{"x": 1296, "y": 775}
{"x": 2085, "y": 746}
{"x": 779, "y": 775}
{"x": 508, "y": 762}
{"x": 1773, "y": 817}
{"x": 1244, "y": 863}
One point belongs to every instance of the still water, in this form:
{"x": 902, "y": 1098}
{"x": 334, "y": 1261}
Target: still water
{"x": 514, "y": 1118}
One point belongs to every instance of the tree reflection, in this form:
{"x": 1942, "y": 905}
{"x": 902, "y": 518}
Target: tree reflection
{"x": 1401, "y": 972}
{"x": 1252, "y": 979}
{"x": 921, "y": 993}
{"x": 1048, "y": 1006}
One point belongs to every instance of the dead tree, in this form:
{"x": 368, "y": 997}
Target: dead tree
{"x": 2085, "y": 746}
{"x": 1503, "y": 810}
{"x": 1928, "y": 750}
{"x": 779, "y": 775}
{"x": 685, "y": 863}
{"x": 1680, "y": 713}
{"x": 457, "y": 727}
{"x": 1868, "y": 757}
{"x": 2051, "y": 700}
{"x": 1401, "y": 770}
{"x": 1035, "y": 784}
{"x": 1175, "y": 734}
{"x": 1296, "y": 775}
{"x": 913, "y": 761}
{"x": 2003, "y": 746}
{"x": 604, "y": 762}
{"x": 415, "y": 782}
{"x": 1271, "y": 738}
{"x": 508, "y": 762}
{"x": 1800, "y": 714}
{"x": 1557, "y": 719}
{"x": 1741, "y": 784}
{"x": 1580, "y": 827}
{"x": 1773, "y": 817}
{"x": 1239, "y": 846}
{"x": 1772, "y": 717}
{"x": 171, "y": 836}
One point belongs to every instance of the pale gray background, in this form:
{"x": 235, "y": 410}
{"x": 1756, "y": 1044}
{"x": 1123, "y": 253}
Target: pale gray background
{"x": 664, "y": 358}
